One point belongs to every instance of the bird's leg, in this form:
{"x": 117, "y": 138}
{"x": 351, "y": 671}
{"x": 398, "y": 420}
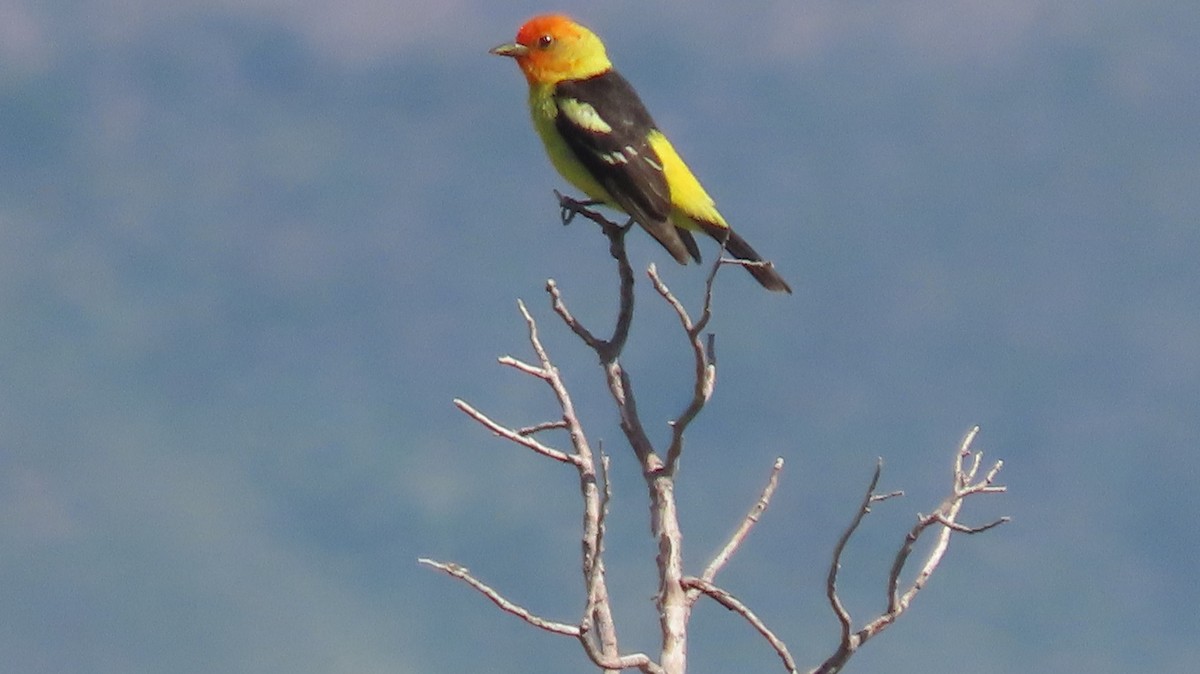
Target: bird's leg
{"x": 569, "y": 208}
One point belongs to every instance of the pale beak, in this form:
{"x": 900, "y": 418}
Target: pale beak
{"x": 511, "y": 49}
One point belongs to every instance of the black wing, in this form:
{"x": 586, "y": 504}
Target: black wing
{"x": 606, "y": 125}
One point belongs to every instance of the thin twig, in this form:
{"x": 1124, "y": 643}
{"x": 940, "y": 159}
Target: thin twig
{"x": 710, "y": 282}
{"x": 560, "y": 307}
{"x": 945, "y": 514}
{"x": 704, "y": 367}
{"x": 735, "y": 541}
{"x": 463, "y": 574}
{"x": 544, "y": 426}
{"x": 962, "y": 528}
{"x": 839, "y": 609}
{"x": 732, "y": 603}
{"x": 522, "y": 366}
{"x": 944, "y": 518}
{"x": 515, "y": 436}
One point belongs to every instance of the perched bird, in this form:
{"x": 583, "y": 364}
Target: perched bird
{"x": 603, "y": 141}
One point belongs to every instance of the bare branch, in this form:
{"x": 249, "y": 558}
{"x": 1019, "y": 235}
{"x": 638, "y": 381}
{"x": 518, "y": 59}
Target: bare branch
{"x": 515, "y": 436}
{"x": 876, "y": 498}
{"x": 608, "y": 349}
{"x": 831, "y": 593}
{"x": 661, "y": 288}
{"x": 505, "y": 605}
{"x": 732, "y": 603}
{"x": 621, "y": 389}
{"x": 991, "y": 476}
{"x": 735, "y": 541}
{"x": 560, "y": 307}
{"x": 605, "y": 499}
{"x": 747, "y": 263}
{"x": 594, "y": 548}
{"x": 962, "y": 528}
{"x": 672, "y": 604}
{"x": 547, "y": 369}
{"x": 705, "y": 370}
{"x": 672, "y": 598}
{"x": 544, "y": 426}
{"x": 548, "y": 373}
{"x": 944, "y": 518}
{"x": 638, "y": 661}
{"x": 523, "y": 366}
{"x": 946, "y": 515}
{"x": 598, "y": 611}
{"x": 597, "y": 629}
{"x": 709, "y": 283}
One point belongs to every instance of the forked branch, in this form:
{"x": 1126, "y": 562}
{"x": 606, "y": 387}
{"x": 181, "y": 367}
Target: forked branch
{"x": 672, "y": 598}
{"x": 596, "y": 628}
{"x": 944, "y": 520}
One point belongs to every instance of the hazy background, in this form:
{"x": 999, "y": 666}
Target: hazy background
{"x": 250, "y": 251}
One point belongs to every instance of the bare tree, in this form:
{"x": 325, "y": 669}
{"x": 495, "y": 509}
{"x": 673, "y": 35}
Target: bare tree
{"x": 678, "y": 591}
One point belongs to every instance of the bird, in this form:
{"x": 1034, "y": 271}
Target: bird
{"x": 600, "y": 137}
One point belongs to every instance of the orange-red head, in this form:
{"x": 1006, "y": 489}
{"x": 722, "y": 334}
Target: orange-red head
{"x": 552, "y": 48}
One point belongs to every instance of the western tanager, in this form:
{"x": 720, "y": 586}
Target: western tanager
{"x": 603, "y": 141}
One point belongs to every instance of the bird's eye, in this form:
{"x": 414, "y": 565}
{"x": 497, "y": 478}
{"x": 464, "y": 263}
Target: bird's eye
{"x": 545, "y": 41}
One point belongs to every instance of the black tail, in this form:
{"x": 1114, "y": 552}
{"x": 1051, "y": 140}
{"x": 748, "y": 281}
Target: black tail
{"x": 763, "y": 272}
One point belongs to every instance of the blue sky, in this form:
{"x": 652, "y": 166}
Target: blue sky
{"x": 250, "y": 252}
